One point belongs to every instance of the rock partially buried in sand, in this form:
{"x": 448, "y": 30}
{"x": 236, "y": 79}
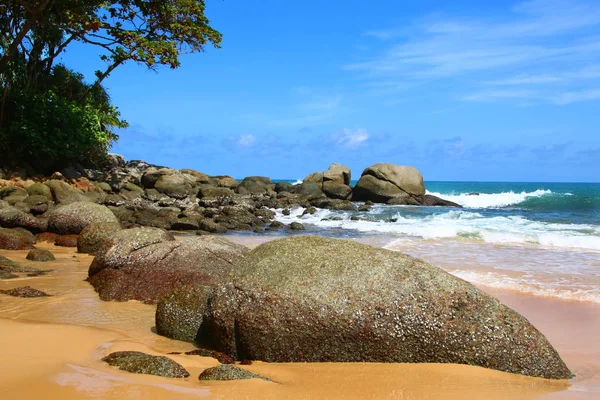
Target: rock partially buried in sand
{"x": 40, "y": 255}
{"x": 147, "y": 263}
{"x": 73, "y": 217}
{"x": 142, "y": 363}
{"x": 313, "y": 299}
{"x": 228, "y": 373}
{"x": 25, "y": 291}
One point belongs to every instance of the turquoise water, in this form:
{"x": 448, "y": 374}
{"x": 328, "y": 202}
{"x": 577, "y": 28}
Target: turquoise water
{"x": 536, "y": 238}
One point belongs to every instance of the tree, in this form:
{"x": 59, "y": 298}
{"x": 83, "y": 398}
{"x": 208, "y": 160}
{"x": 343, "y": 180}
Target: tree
{"x": 151, "y": 32}
{"x": 34, "y": 33}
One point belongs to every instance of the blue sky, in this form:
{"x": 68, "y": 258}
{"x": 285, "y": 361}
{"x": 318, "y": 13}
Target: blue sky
{"x": 465, "y": 90}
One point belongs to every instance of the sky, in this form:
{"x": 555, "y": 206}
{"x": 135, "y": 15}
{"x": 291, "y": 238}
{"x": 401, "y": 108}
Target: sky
{"x": 461, "y": 90}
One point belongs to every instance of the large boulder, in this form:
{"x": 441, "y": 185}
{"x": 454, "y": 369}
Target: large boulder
{"x": 336, "y": 190}
{"x": 147, "y": 263}
{"x": 315, "y": 177}
{"x": 175, "y": 185}
{"x": 255, "y": 184}
{"x": 316, "y": 299}
{"x": 214, "y": 192}
{"x": 153, "y": 174}
{"x": 39, "y": 189}
{"x": 382, "y": 182}
{"x": 73, "y": 217}
{"x": 337, "y": 173}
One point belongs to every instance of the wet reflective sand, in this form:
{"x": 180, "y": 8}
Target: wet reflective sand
{"x": 51, "y": 349}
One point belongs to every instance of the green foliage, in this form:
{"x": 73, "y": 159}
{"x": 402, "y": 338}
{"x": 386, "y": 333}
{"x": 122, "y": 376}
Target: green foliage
{"x": 51, "y": 129}
{"x": 49, "y": 116}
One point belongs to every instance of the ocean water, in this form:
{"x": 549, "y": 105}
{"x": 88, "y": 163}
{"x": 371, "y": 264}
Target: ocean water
{"x": 537, "y": 238}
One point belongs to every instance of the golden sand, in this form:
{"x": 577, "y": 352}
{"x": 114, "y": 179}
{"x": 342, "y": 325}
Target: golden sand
{"x": 51, "y": 348}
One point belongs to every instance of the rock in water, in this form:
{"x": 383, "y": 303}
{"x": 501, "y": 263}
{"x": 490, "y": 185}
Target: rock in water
{"x": 73, "y": 217}
{"x": 25, "y": 291}
{"x": 382, "y": 182}
{"x": 147, "y": 263}
{"x": 313, "y": 299}
{"x": 40, "y": 255}
{"x": 142, "y": 363}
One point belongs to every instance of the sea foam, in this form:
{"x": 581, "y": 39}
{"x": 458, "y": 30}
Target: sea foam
{"x": 491, "y": 200}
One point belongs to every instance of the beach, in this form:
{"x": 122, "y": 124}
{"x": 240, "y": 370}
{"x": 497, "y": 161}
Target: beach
{"x": 55, "y": 344}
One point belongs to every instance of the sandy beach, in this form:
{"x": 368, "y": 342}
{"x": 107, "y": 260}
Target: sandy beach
{"x": 54, "y": 347}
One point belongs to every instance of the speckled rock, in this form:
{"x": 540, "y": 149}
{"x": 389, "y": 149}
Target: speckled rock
{"x": 311, "y": 299}
{"x": 228, "y": 372}
{"x": 220, "y": 357}
{"x": 94, "y": 235}
{"x": 39, "y": 189}
{"x": 16, "y": 239}
{"x": 146, "y": 264}
{"x": 4, "y": 274}
{"x": 66, "y": 240}
{"x": 40, "y": 255}
{"x": 25, "y": 291}
{"x": 297, "y": 226}
{"x": 73, "y": 217}
{"x": 142, "y": 363}
{"x": 12, "y": 217}
{"x": 179, "y": 314}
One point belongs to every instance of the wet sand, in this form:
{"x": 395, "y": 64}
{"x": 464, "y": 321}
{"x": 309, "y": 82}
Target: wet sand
{"x": 52, "y": 347}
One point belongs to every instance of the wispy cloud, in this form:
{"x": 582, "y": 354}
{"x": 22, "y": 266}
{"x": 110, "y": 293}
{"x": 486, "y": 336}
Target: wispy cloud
{"x": 246, "y": 140}
{"x": 543, "y": 49}
{"x": 352, "y": 138}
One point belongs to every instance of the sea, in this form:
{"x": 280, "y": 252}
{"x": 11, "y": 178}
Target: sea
{"x": 541, "y": 239}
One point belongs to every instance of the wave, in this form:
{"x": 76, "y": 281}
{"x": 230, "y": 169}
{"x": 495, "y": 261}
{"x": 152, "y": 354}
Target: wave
{"x": 456, "y": 224}
{"x": 492, "y": 200}
{"x": 531, "y": 286}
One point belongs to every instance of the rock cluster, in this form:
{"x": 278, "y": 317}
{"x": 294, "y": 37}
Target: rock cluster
{"x": 136, "y": 193}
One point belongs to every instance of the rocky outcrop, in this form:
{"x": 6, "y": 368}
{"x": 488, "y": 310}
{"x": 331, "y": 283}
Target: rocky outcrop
{"x": 147, "y": 264}
{"x": 74, "y": 217}
{"x": 311, "y": 299}
{"x": 142, "y": 363}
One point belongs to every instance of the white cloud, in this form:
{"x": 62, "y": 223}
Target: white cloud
{"x": 544, "y": 45}
{"x": 246, "y": 140}
{"x": 352, "y": 138}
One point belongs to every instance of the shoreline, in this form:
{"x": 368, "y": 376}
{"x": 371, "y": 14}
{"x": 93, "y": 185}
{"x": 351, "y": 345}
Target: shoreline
{"x": 76, "y": 315}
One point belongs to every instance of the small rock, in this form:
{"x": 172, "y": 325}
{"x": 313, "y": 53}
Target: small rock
{"x": 40, "y": 255}
{"x": 25, "y": 291}
{"x": 228, "y": 373}
{"x": 141, "y": 363}
{"x": 297, "y": 226}
{"x": 286, "y": 211}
